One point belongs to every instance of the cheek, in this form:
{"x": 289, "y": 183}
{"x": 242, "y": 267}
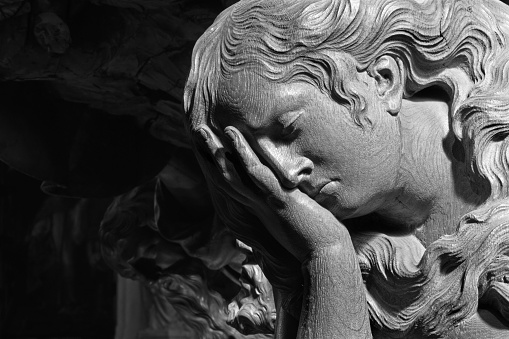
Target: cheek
{"x": 339, "y": 158}
{"x": 354, "y": 201}
{"x": 364, "y": 178}
{"x": 342, "y": 200}
{"x": 370, "y": 173}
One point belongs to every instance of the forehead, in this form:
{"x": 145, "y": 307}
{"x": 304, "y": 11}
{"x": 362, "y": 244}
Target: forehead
{"x": 251, "y": 100}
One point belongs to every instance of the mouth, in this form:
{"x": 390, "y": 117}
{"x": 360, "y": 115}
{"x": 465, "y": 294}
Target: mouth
{"x": 313, "y": 192}
{"x": 327, "y": 196}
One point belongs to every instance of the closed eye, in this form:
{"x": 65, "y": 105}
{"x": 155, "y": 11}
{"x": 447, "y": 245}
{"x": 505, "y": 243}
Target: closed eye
{"x": 288, "y": 131}
{"x": 288, "y": 122}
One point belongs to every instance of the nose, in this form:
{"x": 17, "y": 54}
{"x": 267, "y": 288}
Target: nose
{"x": 290, "y": 167}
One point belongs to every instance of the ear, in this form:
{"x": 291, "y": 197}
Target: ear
{"x": 388, "y": 73}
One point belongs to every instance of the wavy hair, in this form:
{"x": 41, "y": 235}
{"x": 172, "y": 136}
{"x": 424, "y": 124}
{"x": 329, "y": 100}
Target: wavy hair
{"x": 439, "y": 42}
{"x": 292, "y": 41}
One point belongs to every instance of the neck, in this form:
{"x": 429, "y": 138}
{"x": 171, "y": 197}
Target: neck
{"x": 433, "y": 190}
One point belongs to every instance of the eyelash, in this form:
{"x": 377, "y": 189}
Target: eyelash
{"x": 289, "y": 131}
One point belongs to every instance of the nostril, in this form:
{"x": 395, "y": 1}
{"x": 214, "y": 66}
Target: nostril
{"x": 306, "y": 171}
{"x": 306, "y": 167}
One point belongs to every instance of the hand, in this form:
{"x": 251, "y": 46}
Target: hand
{"x": 295, "y": 220}
{"x": 237, "y": 212}
{"x": 305, "y": 229}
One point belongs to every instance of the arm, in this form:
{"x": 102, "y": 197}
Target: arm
{"x": 334, "y": 297}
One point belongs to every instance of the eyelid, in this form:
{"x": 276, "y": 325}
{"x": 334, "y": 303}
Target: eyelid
{"x": 288, "y": 124}
{"x": 289, "y": 118}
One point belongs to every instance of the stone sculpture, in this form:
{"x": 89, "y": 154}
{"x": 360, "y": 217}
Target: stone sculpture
{"x": 360, "y": 148}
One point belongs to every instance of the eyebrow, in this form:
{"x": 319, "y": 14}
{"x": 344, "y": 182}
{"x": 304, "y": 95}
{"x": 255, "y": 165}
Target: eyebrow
{"x": 292, "y": 106}
{"x": 282, "y": 116}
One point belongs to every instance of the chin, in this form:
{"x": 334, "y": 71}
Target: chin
{"x": 347, "y": 203}
{"x": 343, "y": 213}
{"x": 353, "y": 209}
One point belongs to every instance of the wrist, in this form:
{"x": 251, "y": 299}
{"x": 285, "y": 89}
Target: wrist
{"x": 334, "y": 270}
{"x": 326, "y": 251}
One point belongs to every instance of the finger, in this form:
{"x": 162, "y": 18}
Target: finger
{"x": 218, "y": 153}
{"x": 260, "y": 174}
{"x": 213, "y": 145}
{"x": 218, "y": 182}
{"x": 227, "y": 180}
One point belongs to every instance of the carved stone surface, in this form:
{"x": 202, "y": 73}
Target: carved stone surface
{"x": 360, "y": 147}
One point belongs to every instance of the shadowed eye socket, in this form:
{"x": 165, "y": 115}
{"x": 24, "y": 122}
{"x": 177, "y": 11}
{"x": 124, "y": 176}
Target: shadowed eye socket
{"x": 288, "y": 122}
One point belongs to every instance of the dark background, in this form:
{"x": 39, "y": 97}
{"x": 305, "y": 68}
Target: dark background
{"x": 53, "y": 283}
{"x": 89, "y": 116}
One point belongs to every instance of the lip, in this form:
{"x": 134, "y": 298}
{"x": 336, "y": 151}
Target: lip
{"x": 326, "y": 197}
{"x": 327, "y": 191}
{"x": 324, "y": 187}
{"x": 314, "y": 192}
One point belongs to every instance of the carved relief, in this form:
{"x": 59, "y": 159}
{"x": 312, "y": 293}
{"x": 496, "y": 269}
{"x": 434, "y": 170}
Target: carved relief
{"x": 360, "y": 148}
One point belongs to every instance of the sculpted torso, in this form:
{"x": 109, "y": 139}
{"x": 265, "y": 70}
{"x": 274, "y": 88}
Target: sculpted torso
{"x": 362, "y": 162}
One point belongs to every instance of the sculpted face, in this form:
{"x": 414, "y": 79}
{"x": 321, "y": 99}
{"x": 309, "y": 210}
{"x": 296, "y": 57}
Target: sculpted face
{"x": 312, "y": 143}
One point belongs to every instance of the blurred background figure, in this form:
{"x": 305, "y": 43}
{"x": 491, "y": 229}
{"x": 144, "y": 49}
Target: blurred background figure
{"x": 175, "y": 245}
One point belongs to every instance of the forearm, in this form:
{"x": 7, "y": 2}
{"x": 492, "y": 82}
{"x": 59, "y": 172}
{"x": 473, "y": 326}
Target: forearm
{"x": 334, "y": 296}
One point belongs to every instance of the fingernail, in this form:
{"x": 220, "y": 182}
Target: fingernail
{"x": 230, "y": 134}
